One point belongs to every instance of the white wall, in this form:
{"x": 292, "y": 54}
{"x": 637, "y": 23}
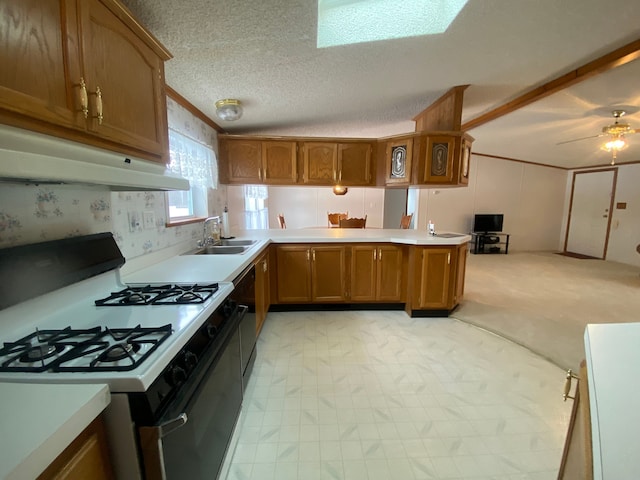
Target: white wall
{"x": 624, "y": 236}
{"x": 305, "y": 207}
{"x": 531, "y": 197}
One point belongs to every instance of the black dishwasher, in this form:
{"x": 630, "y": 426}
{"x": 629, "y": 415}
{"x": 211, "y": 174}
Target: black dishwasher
{"x": 244, "y": 293}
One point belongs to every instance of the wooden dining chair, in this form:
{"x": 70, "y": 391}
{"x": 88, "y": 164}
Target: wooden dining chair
{"x": 353, "y": 222}
{"x": 281, "y": 221}
{"x": 334, "y": 218}
{"x": 405, "y": 221}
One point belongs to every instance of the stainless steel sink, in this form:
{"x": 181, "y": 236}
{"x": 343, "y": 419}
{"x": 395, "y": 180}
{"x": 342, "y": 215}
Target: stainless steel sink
{"x": 221, "y": 250}
{"x": 448, "y": 235}
{"x": 224, "y": 247}
{"x": 241, "y": 243}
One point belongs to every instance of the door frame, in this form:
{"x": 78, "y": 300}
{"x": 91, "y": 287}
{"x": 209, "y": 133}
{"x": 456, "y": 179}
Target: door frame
{"x": 614, "y": 182}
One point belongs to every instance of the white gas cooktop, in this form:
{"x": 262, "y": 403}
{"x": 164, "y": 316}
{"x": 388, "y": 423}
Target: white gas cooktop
{"x": 74, "y": 307}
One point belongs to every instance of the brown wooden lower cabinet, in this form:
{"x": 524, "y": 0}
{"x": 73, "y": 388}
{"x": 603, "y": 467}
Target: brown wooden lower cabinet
{"x": 86, "y": 457}
{"x": 437, "y": 278}
{"x": 431, "y": 277}
{"x": 377, "y": 273}
{"x": 263, "y": 297}
{"x": 577, "y": 457}
{"x": 311, "y": 273}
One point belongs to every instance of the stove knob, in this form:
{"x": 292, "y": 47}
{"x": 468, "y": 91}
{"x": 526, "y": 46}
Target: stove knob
{"x": 228, "y": 308}
{"x": 212, "y": 331}
{"x": 190, "y": 360}
{"x": 176, "y": 376}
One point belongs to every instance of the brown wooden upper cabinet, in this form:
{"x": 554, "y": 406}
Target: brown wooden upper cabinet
{"x": 397, "y": 159}
{"x": 100, "y": 79}
{"x": 247, "y": 161}
{"x": 442, "y": 158}
{"x": 330, "y": 163}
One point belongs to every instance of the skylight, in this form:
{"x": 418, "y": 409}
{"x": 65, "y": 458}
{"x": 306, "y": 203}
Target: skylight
{"x": 342, "y": 22}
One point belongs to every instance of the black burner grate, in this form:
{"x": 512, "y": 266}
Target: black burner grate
{"x": 159, "y": 295}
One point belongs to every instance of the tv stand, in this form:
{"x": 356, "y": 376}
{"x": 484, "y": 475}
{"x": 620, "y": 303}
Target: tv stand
{"x": 489, "y": 242}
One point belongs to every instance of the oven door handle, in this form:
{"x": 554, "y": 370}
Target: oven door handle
{"x": 151, "y": 445}
{"x": 169, "y": 426}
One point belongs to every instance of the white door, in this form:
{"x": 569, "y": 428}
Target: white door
{"x": 592, "y": 198}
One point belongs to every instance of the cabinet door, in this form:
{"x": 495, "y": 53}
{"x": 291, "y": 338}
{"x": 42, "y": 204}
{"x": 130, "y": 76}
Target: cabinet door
{"x": 244, "y": 160}
{"x": 279, "y": 164}
{"x": 460, "y": 272}
{"x": 398, "y": 162}
{"x": 125, "y": 81}
{"x": 86, "y": 457}
{"x": 577, "y": 456}
{"x": 465, "y": 161}
{"x": 363, "y": 273}
{"x": 328, "y": 273}
{"x": 262, "y": 290}
{"x": 431, "y": 281}
{"x": 294, "y": 273}
{"x": 354, "y": 163}
{"x": 320, "y": 163}
{"x": 440, "y": 154}
{"x": 389, "y": 273}
{"x": 40, "y": 77}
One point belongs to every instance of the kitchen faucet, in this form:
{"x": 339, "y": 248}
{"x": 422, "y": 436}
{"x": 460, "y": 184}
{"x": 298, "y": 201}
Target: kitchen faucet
{"x": 210, "y": 239}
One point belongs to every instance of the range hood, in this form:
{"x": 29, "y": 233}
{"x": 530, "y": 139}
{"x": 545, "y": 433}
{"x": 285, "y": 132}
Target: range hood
{"x": 28, "y": 157}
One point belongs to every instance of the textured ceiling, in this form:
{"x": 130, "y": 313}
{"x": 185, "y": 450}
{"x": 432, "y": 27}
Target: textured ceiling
{"x": 264, "y": 54}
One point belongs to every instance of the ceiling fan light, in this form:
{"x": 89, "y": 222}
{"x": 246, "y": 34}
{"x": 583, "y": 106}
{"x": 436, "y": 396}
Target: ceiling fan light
{"x": 615, "y": 144}
{"x": 229, "y": 109}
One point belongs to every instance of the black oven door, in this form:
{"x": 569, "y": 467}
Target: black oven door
{"x": 191, "y": 439}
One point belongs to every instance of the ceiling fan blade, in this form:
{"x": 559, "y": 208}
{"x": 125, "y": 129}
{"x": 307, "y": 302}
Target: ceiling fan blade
{"x": 583, "y": 138}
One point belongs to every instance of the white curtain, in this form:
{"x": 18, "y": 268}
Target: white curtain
{"x": 192, "y": 160}
{"x": 256, "y": 213}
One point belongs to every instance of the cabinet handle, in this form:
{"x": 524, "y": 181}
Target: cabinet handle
{"x": 449, "y": 258}
{"x": 264, "y": 266}
{"x": 340, "y": 175}
{"x": 567, "y": 384}
{"x": 380, "y": 255}
{"x": 84, "y": 99}
{"x": 98, "y": 95}
{"x": 375, "y": 253}
{"x": 314, "y": 255}
{"x": 334, "y": 175}
{"x": 260, "y": 173}
{"x": 308, "y": 258}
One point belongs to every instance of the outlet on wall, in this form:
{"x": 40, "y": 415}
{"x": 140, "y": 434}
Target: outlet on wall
{"x": 149, "y": 219}
{"x": 135, "y": 224}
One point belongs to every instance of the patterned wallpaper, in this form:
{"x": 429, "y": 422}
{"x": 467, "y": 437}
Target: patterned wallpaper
{"x": 36, "y": 213}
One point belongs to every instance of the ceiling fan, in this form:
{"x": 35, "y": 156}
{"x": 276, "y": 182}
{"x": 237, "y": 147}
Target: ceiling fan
{"x": 616, "y": 131}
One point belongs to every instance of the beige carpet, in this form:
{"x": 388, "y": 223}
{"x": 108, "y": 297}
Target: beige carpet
{"x": 543, "y": 301}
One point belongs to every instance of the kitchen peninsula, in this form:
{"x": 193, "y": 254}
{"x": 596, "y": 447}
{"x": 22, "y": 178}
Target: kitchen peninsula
{"x": 334, "y": 266}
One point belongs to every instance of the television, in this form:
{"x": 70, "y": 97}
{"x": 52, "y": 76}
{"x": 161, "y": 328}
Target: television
{"x": 487, "y": 222}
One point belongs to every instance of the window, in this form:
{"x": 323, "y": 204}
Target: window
{"x": 256, "y": 213}
{"x": 197, "y": 163}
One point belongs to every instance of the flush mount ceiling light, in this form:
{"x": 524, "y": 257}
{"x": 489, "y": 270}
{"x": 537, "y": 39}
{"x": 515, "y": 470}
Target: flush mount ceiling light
{"x": 343, "y": 22}
{"x": 340, "y": 190}
{"x": 228, "y": 109}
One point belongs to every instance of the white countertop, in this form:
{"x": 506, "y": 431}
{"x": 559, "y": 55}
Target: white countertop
{"x": 37, "y": 422}
{"x": 613, "y": 356}
{"x": 225, "y": 268}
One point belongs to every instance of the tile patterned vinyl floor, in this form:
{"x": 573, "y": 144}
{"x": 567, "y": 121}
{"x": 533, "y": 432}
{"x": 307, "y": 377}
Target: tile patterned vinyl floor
{"x": 377, "y": 395}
